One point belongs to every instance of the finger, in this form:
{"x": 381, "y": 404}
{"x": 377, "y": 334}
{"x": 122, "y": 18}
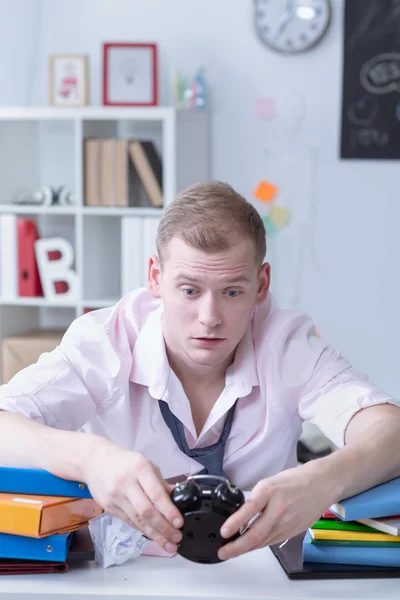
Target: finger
{"x": 157, "y": 490}
{"x": 168, "y": 484}
{"x": 126, "y": 512}
{"x": 255, "y": 537}
{"x": 149, "y": 519}
{"x": 243, "y": 516}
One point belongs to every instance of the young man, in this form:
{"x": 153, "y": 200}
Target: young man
{"x": 201, "y": 372}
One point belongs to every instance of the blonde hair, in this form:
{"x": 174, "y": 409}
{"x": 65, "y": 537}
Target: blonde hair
{"x": 207, "y": 216}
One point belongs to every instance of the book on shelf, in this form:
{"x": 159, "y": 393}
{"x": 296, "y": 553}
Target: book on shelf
{"x": 91, "y": 170}
{"x": 138, "y": 242}
{"x": 131, "y": 244}
{"x": 137, "y": 195}
{"x": 379, "y": 501}
{"x": 107, "y": 172}
{"x": 121, "y": 172}
{"x": 29, "y": 283}
{"x": 8, "y": 256}
{"x": 19, "y": 273}
{"x": 149, "y": 167}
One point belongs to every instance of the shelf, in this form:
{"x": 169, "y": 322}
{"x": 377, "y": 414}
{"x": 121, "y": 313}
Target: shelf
{"x": 120, "y": 212}
{"x": 110, "y": 211}
{"x": 103, "y": 303}
{"x": 137, "y": 113}
{"x": 29, "y": 209}
{"x": 111, "y": 244}
{"x": 39, "y": 302}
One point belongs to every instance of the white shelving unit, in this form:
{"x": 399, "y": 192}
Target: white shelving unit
{"x": 44, "y": 146}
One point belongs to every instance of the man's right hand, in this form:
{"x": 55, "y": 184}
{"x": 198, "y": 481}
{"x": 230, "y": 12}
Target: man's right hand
{"x": 129, "y": 486}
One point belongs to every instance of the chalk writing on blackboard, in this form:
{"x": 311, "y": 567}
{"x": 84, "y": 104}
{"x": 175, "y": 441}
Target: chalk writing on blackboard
{"x": 371, "y": 80}
{"x": 381, "y": 74}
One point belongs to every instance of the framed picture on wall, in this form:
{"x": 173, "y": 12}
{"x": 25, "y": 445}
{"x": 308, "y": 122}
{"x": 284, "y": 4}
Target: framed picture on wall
{"x": 130, "y": 74}
{"x": 68, "y": 80}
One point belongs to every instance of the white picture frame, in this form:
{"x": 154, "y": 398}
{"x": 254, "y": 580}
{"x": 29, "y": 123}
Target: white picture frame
{"x": 68, "y": 80}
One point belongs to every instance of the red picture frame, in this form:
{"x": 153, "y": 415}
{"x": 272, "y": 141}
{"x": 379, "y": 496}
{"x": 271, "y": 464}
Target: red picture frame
{"x": 120, "y": 61}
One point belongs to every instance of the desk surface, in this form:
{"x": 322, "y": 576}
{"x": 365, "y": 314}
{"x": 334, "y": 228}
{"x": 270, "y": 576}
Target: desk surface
{"x": 253, "y": 575}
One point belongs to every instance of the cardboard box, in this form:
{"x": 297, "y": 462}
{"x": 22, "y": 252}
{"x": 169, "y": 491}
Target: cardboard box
{"x": 40, "y": 516}
{"x": 20, "y": 351}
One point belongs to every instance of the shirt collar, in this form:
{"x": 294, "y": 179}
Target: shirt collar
{"x": 149, "y": 351}
{"x": 242, "y": 373}
{"x": 150, "y": 365}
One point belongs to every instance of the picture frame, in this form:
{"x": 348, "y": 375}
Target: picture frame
{"x": 130, "y": 74}
{"x": 68, "y": 80}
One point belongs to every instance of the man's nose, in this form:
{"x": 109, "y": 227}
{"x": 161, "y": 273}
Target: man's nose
{"x": 210, "y": 314}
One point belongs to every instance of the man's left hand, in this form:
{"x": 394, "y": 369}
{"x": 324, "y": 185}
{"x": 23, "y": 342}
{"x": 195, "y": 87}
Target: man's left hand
{"x": 288, "y": 504}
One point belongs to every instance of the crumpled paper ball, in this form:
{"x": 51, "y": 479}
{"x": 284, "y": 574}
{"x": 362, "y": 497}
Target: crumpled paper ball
{"x": 115, "y": 542}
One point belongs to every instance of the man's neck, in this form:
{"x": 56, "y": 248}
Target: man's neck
{"x": 203, "y": 386}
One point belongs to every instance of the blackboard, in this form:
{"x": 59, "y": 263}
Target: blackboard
{"x": 371, "y": 80}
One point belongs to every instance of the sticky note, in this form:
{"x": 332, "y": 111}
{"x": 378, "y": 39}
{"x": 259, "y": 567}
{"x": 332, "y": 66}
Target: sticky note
{"x": 265, "y": 191}
{"x": 279, "y": 216}
{"x": 265, "y": 108}
{"x": 269, "y": 225}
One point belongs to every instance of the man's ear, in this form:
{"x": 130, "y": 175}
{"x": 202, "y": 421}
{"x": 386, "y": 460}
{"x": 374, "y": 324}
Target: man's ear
{"x": 154, "y": 276}
{"x": 264, "y": 280}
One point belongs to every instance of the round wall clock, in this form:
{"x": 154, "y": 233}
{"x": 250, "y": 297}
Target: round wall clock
{"x": 291, "y": 26}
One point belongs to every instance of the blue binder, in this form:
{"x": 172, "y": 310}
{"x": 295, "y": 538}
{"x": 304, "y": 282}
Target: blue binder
{"x": 380, "y": 501}
{"x": 350, "y": 555}
{"x": 53, "y": 548}
{"x": 40, "y": 482}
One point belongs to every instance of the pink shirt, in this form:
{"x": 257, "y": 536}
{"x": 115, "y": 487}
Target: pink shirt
{"x": 111, "y": 368}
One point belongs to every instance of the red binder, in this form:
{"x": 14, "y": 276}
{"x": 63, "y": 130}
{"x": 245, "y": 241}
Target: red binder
{"x": 30, "y": 567}
{"x": 28, "y": 274}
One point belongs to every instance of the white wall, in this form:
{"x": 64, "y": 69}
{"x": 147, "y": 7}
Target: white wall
{"x": 354, "y": 294}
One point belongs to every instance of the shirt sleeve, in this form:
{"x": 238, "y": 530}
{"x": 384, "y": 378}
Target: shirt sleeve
{"x": 66, "y": 387}
{"x": 335, "y": 391}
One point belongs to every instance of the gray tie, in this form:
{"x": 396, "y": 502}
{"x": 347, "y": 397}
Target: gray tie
{"x": 211, "y": 457}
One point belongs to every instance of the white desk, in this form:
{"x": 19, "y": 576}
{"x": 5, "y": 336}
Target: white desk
{"x": 253, "y": 575}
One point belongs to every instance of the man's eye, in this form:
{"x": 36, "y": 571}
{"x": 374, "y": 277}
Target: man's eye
{"x": 233, "y": 293}
{"x": 189, "y": 292}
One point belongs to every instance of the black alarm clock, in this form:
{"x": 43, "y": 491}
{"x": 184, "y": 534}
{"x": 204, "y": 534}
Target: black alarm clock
{"x": 206, "y": 502}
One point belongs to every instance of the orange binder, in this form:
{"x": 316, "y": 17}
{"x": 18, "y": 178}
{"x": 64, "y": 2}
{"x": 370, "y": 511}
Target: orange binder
{"x": 40, "y": 516}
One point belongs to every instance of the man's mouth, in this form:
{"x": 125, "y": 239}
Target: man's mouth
{"x": 209, "y": 341}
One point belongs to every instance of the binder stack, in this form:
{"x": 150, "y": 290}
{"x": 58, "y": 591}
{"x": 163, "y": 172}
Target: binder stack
{"x": 361, "y": 530}
{"x": 38, "y": 514}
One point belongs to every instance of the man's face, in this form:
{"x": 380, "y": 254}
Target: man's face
{"x": 207, "y": 299}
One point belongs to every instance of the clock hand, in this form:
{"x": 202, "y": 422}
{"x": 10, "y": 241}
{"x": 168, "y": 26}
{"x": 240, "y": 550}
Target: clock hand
{"x": 287, "y": 15}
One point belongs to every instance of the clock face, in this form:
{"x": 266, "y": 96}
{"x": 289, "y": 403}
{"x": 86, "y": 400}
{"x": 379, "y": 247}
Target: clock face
{"x": 291, "y": 26}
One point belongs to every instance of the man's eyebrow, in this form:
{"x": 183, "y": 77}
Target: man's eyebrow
{"x": 193, "y": 279}
{"x": 186, "y": 277}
